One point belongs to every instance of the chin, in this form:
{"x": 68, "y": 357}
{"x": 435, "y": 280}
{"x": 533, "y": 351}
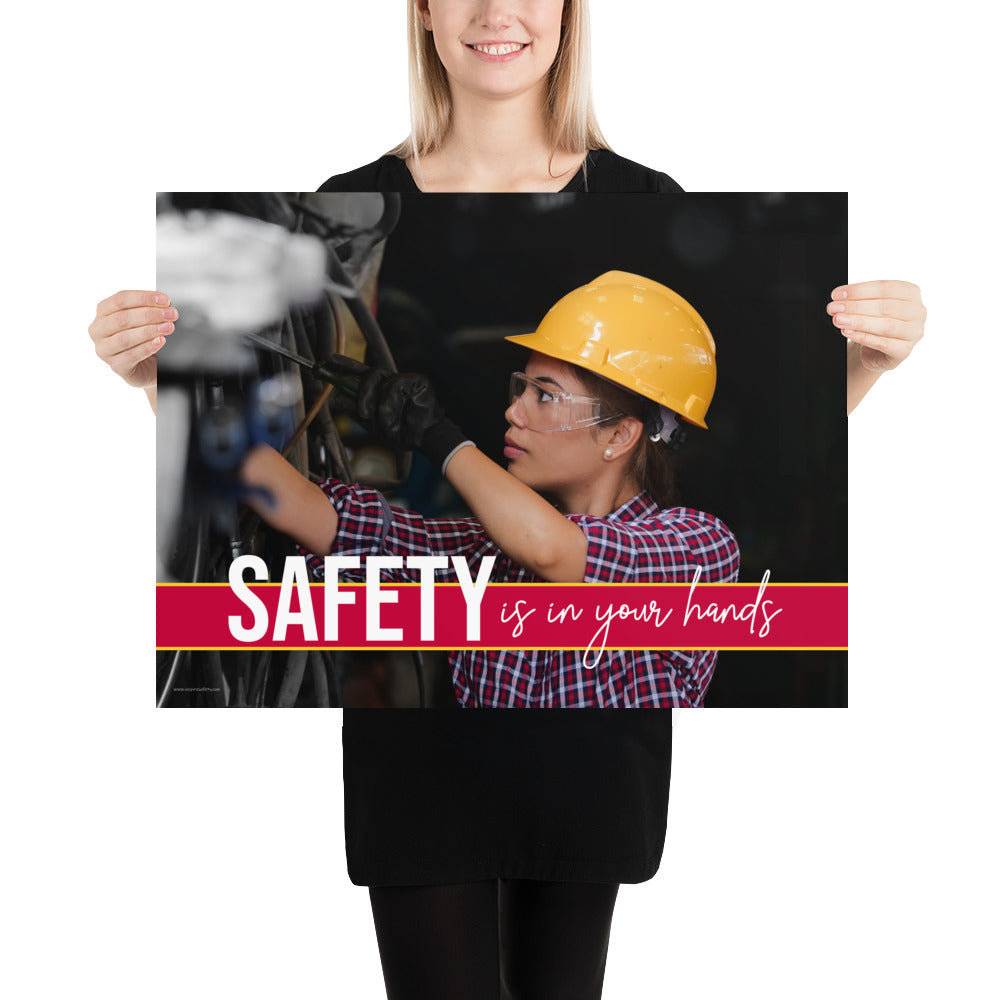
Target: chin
{"x": 504, "y": 88}
{"x": 520, "y": 473}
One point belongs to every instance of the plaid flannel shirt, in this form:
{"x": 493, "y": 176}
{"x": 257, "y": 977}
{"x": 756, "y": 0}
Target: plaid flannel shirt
{"x": 637, "y": 543}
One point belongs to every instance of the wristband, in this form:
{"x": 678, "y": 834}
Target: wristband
{"x": 451, "y": 454}
{"x": 441, "y": 441}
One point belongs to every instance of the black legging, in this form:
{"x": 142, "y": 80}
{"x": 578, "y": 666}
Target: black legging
{"x": 495, "y": 940}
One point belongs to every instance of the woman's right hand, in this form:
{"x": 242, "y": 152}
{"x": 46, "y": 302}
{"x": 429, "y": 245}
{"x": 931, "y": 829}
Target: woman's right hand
{"x": 128, "y": 330}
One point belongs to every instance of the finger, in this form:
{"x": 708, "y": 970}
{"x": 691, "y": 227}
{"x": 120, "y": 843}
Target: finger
{"x": 877, "y": 290}
{"x": 108, "y": 348}
{"x": 882, "y": 326}
{"x": 130, "y": 319}
{"x": 904, "y": 309}
{"x": 130, "y": 299}
{"x": 123, "y": 364}
{"x": 887, "y": 345}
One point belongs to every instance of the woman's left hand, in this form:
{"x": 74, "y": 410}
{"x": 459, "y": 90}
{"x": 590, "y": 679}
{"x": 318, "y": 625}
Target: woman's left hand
{"x": 884, "y": 318}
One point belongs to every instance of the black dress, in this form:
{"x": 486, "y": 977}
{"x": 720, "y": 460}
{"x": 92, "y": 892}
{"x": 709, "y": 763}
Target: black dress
{"x": 443, "y": 796}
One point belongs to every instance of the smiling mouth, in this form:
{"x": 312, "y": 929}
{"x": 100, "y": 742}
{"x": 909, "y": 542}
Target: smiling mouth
{"x": 499, "y": 49}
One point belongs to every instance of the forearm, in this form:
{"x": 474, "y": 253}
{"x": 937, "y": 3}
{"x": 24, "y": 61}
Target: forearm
{"x": 524, "y": 526}
{"x": 150, "y": 391}
{"x": 291, "y": 503}
{"x": 859, "y": 378}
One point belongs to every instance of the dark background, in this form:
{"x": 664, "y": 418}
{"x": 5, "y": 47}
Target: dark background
{"x": 462, "y": 271}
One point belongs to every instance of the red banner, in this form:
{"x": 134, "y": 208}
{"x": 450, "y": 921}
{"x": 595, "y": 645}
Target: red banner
{"x": 584, "y": 616}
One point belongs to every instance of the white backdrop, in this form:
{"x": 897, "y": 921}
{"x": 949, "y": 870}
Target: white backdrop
{"x": 812, "y": 853}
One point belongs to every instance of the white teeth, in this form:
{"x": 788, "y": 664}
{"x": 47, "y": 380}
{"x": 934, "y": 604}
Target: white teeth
{"x": 499, "y": 50}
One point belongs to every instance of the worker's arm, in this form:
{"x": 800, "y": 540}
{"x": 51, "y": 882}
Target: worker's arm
{"x": 289, "y": 502}
{"x": 526, "y": 527}
{"x": 402, "y": 409}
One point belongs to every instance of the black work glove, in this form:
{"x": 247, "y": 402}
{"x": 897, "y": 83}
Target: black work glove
{"x": 402, "y": 409}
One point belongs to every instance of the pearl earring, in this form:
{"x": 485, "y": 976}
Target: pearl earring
{"x": 607, "y": 453}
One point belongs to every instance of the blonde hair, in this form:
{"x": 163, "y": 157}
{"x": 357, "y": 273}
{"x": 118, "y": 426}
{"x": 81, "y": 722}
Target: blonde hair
{"x": 571, "y": 120}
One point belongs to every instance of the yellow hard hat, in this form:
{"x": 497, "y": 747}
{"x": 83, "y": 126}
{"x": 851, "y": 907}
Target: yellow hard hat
{"x": 637, "y": 333}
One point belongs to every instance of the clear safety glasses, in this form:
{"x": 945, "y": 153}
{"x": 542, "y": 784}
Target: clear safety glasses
{"x": 545, "y": 407}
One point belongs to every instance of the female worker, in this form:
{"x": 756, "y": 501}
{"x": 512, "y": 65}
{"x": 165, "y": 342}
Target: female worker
{"x": 616, "y": 366}
{"x": 494, "y": 842}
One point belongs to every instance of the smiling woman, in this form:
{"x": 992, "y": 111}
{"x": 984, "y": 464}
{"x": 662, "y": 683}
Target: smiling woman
{"x": 465, "y": 56}
{"x": 500, "y": 100}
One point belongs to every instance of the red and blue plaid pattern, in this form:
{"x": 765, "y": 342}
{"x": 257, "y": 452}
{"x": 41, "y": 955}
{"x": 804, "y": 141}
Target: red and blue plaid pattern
{"x": 637, "y": 543}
